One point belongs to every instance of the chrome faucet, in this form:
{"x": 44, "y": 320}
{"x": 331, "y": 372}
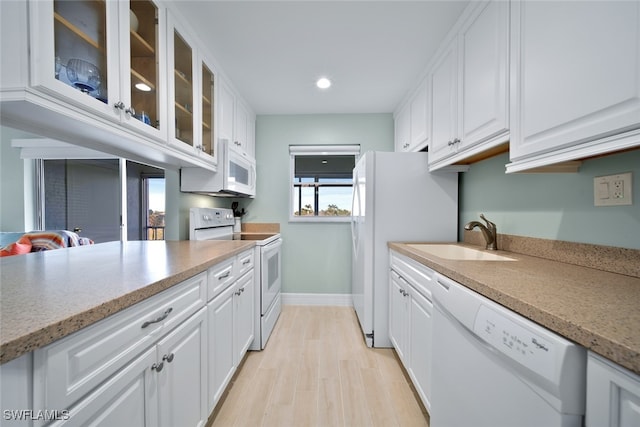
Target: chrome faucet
{"x": 489, "y": 232}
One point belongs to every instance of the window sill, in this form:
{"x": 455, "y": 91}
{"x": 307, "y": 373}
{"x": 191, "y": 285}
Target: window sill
{"x": 317, "y": 219}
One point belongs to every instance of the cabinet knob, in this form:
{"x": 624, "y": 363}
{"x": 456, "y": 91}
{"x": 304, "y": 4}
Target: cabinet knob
{"x": 405, "y": 145}
{"x": 157, "y": 367}
{"x": 456, "y": 141}
{"x": 168, "y": 358}
{"x": 119, "y": 105}
{"x": 130, "y": 111}
{"x": 450, "y": 143}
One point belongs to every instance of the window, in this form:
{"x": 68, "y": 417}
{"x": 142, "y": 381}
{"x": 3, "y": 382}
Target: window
{"x": 153, "y": 202}
{"x": 322, "y": 182}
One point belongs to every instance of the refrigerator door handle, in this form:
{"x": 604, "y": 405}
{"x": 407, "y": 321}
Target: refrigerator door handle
{"x": 354, "y": 218}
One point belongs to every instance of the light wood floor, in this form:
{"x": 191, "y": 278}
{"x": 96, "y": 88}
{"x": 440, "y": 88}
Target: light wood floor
{"x": 317, "y": 371}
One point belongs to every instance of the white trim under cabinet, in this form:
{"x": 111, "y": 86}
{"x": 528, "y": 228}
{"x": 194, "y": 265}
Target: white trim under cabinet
{"x": 469, "y": 84}
{"x": 575, "y": 78}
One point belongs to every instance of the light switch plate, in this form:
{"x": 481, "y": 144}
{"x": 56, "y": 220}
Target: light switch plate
{"x": 612, "y": 190}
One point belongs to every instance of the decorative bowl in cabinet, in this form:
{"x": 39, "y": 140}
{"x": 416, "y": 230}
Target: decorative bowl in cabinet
{"x": 83, "y": 75}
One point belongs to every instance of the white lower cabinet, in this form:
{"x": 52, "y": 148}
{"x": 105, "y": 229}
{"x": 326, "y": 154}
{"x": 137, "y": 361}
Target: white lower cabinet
{"x": 410, "y": 320}
{"x": 613, "y": 394}
{"x": 129, "y": 398}
{"x": 230, "y": 318}
{"x": 163, "y": 362}
{"x": 221, "y": 350}
{"x": 181, "y": 367}
{"x": 419, "y": 337}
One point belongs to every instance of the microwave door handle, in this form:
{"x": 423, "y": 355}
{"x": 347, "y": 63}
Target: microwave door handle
{"x": 253, "y": 177}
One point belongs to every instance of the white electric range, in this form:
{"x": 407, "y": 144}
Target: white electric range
{"x": 217, "y": 224}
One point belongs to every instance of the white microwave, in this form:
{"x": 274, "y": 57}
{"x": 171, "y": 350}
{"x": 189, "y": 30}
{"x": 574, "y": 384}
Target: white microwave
{"x": 236, "y": 175}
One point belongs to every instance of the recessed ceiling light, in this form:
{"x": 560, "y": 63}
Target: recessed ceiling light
{"x": 143, "y": 87}
{"x": 323, "y": 83}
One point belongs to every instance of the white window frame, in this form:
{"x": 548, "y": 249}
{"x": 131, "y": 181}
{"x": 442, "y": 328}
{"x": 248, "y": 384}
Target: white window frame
{"x": 316, "y": 150}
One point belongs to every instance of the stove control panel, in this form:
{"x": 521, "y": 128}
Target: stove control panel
{"x": 210, "y": 217}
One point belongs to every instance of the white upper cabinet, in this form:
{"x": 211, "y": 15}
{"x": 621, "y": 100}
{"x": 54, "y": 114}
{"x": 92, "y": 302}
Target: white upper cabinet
{"x": 575, "y": 80}
{"x": 444, "y": 103}
{"x": 412, "y": 121}
{"x": 183, "y": 84}
{"x": 103, "y": 57}
{"x": 402, "y": 128}
{"x": 469, "y": 83}
{"x": 236, "y": 121}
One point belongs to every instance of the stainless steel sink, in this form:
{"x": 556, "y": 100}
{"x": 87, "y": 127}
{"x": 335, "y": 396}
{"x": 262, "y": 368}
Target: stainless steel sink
{"x": 459, "y": 253}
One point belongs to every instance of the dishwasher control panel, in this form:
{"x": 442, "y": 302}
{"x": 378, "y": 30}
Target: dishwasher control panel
{"x": 514, "y": 339}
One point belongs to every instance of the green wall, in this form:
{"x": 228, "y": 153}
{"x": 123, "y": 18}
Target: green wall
{"x": 553, "y": 206}
{"x": 316, "y": 257}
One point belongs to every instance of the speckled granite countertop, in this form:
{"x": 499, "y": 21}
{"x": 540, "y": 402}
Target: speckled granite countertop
{"x": 597, "y": 309}
{"x": 48, "y": 295}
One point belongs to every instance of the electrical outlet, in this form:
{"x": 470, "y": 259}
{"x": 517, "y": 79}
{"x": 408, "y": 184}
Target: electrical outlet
{"x": 612, "y": 190}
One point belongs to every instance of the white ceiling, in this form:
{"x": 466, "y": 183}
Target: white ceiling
{"x": 274, "y": 51}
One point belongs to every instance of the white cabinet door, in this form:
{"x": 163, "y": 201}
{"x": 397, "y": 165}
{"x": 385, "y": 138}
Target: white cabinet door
{"x": 443, "y": 81}
{"x": 613, "y": 394}
{"x": 182, "y": 380}
{"x": 92, "y": 55}
{"x": 221, "y": 328}
{"x": 402, "y": 129}
{"x": 184, "y": 81}
{"x": 75, "y": 53}
{"x": 241, "y": 120}
{"x": 469, "y": 83}
{"x": 208, "y": 129}
{"x": 398, "y": 312}
{"x": 420, "y": 325}
{"x": 226, "y": 112}
{"x": 412, "y": 121}
{"x": 244, "y": 315}
{"x": 484, "y": 94}
{"x": 576, "y": 80}
{"x": 127, "y": 399}
{"x": 419, "y": 126}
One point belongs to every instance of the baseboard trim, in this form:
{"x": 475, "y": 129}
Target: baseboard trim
{"x": 344, "y": 300}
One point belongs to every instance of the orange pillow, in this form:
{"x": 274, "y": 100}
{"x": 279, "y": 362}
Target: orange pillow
{"x": 22, "y": 246}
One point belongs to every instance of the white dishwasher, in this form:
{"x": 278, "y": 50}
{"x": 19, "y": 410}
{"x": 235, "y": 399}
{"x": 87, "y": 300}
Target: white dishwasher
{"x": 494, "y": 368}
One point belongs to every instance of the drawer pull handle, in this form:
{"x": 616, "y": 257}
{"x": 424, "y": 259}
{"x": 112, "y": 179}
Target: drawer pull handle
{"x": 246, "y": 261}
{"x": 157, "y": 367}
{"x": 168, "y": 358}
{"x": 224, "y": 276}
{"x": 159, "y": 319}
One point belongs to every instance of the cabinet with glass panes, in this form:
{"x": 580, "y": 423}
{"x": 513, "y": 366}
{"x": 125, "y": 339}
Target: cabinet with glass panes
{"x": 93, "y": 40}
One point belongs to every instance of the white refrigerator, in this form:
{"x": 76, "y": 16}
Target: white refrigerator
{"x": 395, "y": 198}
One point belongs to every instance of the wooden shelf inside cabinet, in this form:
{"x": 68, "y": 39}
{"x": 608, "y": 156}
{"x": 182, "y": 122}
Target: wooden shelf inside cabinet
{"x": 206, "y": 100}
{"x": 180, "y": 76}
{"x": 139, "y": 78}
{"x": 140, "y": 47}
{"x": 77, "y": 31}
{"x": 180, "y": 109}
{"x": 206, "y": 126}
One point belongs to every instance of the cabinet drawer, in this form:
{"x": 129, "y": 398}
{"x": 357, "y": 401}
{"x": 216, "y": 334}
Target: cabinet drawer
{"x": 244, "y": 262}
{"x": 419, "y": 276}
{"x": 219, "y": 277}
{"x": 69, "y": 368}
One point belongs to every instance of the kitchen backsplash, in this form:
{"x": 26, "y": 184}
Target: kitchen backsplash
{"x": 607, "y": 258}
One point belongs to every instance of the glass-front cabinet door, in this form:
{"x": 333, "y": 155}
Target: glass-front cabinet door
{"x": 182, "y": 71}
{"x": 142, "y": 84}
{"x": 95, "y": 54}
{"x": 207, "y": 136}
{"x": 74, "y": 52}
